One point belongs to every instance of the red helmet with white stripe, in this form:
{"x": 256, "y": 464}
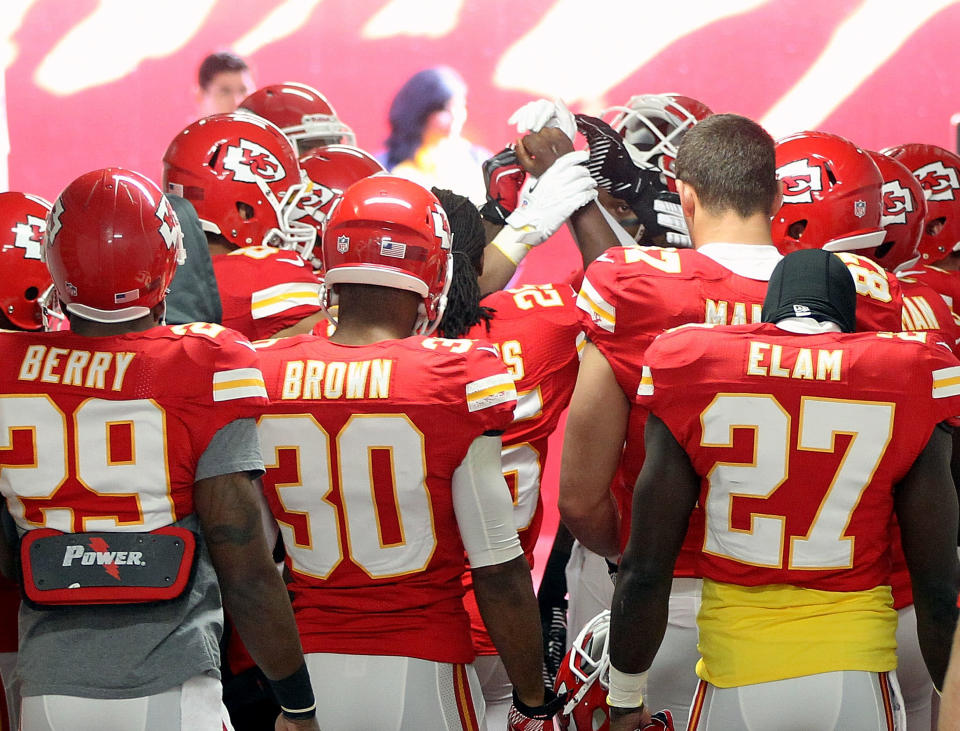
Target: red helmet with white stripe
{"x": 390, "y": 232}
{"x": 904, "y": 212}
{"x": 302, "y": 113}
{"x": 831, "y": 195}
{"x": 938, "y": 172}
{"x": 585, "y": 676}
{"x": 112, "y": 244}
{"x": 655, "y": 123}
{"x": 24, "y": 278}
{"x": 331, "y": 170}
{"x": 242, "y": 177}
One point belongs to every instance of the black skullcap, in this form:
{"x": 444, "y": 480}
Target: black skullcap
{"x": 812, "y": 283}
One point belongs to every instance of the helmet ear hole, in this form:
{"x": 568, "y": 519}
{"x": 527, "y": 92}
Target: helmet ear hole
{"x": 245, "y": 211}
{"x": 795, "y": 230}
{"x": 934, "y": 226}
{"x": 31, "y": 293}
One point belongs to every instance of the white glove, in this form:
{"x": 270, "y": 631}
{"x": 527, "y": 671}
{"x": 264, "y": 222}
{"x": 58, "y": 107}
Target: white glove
{"x": 670, "y": 216}
{"x": 565, "y": 187}
{"x": 534, "y": 116}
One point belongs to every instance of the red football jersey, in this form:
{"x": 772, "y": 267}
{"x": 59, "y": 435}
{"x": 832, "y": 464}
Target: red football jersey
{"x": 631, "y": 295}
{"x": 800, "y": 440}
{"x": 943, "y": 281}
{"x": 360, "y": 444}
{"x": 925, "y": 310}
{"x": 122, "y": 421}
{"x": 264, "y": 290}
{"x": 535, "y": 330}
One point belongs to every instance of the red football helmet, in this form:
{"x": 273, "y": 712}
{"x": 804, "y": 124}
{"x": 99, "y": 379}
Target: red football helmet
{"x": 831, "y": 195}
{"x": 302, "y": 113}
{"x": 112, "y": 244}
{"x": 904, "y": 212}
{"x": 390, "y": 232}
{"x": 25, "y": 279}
{"x": 655, "y": 124}
{"x": 585, "y": 675}
{"x": 331, "y": 170}
{"x": 938, "y": 171}
{"x": 242, "y": 176}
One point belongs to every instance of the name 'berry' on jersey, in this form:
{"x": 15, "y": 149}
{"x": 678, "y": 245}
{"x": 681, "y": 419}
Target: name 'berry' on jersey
{"x": 360, "y": 445}
{"x": 264, "y": 290}
{"x": 631, "y": 295}
{"x": 535, "y": 329}
{"x": 104, "y": 434}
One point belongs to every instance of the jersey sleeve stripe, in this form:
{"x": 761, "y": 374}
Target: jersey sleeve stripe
{"x": 238, "y": 383}
{"x": 946, "y": 382}
{"x": 281, "y": 297}
{"x": 490, "y": 391}
{"x": 600, "y": 311}
{"x": 646, "y": 383}
{"x": 498, "y": 379}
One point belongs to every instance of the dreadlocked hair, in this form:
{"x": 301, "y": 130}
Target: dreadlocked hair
{"x": 463, "y": 298}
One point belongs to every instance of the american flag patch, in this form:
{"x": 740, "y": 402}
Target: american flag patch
{"x": 395, "y": 249}
{"x": 121, "y": 297}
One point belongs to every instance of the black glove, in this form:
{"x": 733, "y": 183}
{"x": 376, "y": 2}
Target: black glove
{"x": 611, "y": 165}
{"x": 502, "y": 179}
{"x": 643, "y": 189}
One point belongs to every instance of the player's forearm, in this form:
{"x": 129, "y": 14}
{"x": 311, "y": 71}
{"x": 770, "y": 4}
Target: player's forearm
{"x": 936, "y": 610}
{"x": 638, "y": 616}
{"x": 950, "y": 702}
{"x": 509, "y": 609}
{"x": 592, "y": 232}
{"x": 253, "y": 591}
{"x": 498, "y": 270}
{"x": 593, "y": 522}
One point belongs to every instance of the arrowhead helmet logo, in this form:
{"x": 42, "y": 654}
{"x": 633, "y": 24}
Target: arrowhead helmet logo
{"x": 54, "y": 225}
{"x": 939, "y": 181}
{"x": 169, "y": 225}
{"x": 29, "y": 236}
{"x": 250, "y": 162}
{"x": 897, "y": 203}
{"x": 800, "y": 179}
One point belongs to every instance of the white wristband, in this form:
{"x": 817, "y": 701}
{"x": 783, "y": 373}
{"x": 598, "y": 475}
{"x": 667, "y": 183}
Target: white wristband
{"x": 510, "y": 242}
{"x": 626, "y": 689}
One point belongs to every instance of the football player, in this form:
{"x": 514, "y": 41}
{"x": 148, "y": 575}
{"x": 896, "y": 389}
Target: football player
{"x": 938, "y": 172}
{"x": 797, "y": 628}
{"x": 24, "y": 283}
{"x": 383, "y": 453}
{"x": 628, "y": 297}
{"x": 535, "y": 330}
{"x": 832, "y": 199}
{"x": 302, "y": 113}
{"x": 654, "y": 124}
{"x": 331, "y": 170}
{"x": 141, "y": 500}
{"x": 241, "y": 175}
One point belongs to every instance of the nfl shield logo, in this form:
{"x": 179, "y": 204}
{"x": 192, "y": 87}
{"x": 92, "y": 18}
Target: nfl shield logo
{"x": 860, "y": 209}
{"x": 343, "y": 244}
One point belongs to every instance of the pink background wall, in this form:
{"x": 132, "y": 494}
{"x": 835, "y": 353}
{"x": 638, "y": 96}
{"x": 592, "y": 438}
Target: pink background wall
{"x": 863, "y": 69}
